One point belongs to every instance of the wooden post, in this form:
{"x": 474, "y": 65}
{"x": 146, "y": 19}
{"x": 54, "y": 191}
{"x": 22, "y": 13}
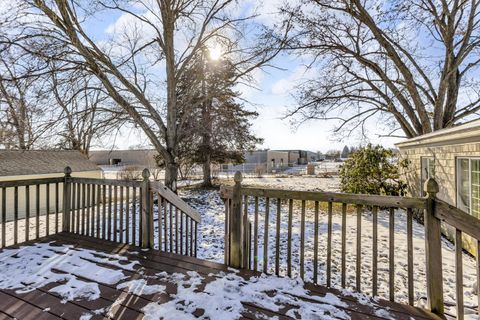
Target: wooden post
{"x": 433, "y": 246}
{"x": 236, "y": 244}
{"x": 147, "y": 215}
{"x": 66, "y": 199}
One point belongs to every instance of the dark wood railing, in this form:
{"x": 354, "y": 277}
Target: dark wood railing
{"x": 138, "y": 212}
{"x": 242, "y": 245}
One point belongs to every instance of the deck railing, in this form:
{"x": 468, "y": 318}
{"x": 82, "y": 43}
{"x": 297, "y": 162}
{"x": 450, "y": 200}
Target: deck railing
{"x": 138, "y": 212}
{"x": 244, "y": 248}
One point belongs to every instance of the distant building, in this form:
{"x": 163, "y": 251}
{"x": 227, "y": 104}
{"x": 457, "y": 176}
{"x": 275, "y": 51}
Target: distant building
{"x": 265, "y": 161}
{"x": 144, "y": 158}
{"x": 38, "y": 164}
{"x": 300, "y": 157}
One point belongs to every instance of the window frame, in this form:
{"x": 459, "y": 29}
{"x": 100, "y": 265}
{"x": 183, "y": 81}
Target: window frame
{"x": 457, "y": 181}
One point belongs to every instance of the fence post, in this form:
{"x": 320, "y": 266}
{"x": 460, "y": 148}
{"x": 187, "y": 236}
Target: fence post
{"x": 147, "y": 215}
{"x": 66, "y": 199}
{"x": 236, "y": 245}
{"x": 433, "y": 247}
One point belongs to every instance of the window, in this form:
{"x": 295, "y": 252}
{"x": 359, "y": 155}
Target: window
{"x": 428, "y": 171}
{"x": 468, "y": 185}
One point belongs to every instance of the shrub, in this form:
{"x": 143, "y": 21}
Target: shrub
{"x": 130, "y": 173}
{"x": 373, "y": 170}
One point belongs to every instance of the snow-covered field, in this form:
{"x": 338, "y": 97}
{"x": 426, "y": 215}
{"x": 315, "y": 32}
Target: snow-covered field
{"x": 211, "y": 243}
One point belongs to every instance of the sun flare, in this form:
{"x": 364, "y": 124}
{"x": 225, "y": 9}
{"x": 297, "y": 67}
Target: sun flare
{"x": 215, "y": 52}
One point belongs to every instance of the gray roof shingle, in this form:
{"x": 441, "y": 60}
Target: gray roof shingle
{"x": 14, "y": 163}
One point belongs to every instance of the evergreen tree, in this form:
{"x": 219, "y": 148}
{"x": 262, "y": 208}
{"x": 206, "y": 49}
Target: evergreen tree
{"x": 218, "y": 129}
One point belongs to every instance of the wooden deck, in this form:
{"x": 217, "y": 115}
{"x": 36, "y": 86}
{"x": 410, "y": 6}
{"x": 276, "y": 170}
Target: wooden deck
{"x": 42, "y": 304}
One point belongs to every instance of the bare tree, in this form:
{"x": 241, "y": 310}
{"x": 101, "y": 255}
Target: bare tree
{"x": 147, "y": 59}
{"x": 84, "y": 111}
{"x": 413, "y": 62}
{"x": 21, "y": 105}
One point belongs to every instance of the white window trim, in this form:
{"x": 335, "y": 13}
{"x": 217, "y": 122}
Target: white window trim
{"x": 457, "y": 180}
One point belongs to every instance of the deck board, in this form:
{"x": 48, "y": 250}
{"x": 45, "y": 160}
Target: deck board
{"x": 34, "y": 304}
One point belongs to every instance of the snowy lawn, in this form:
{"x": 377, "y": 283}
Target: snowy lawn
{"x": 211, "y": 243}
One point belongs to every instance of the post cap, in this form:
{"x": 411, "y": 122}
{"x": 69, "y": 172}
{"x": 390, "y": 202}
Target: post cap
{"x": 146, "y": 174}
{"x": 67, "y": 171}
{"x": 431, "y": 186}
{"x": 238, "y": 177}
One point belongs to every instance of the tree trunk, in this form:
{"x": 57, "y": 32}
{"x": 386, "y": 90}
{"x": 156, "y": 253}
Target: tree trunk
{"x": 171, "y": 175}
{"x": 207, "y": 172}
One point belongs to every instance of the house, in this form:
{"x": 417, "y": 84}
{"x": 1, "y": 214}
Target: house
{"x": 23, "y": 165}
{"x": 144, "y": 158}
{"x": 452, "y": 157}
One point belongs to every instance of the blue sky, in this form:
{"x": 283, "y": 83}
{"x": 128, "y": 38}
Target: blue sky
{"x": 271, "y": 101}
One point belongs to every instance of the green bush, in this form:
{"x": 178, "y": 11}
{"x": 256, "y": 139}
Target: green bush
{"x": 373, "y": 170}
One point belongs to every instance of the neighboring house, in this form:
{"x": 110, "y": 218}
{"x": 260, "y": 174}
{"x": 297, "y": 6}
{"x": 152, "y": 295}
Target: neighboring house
{"x": 452, "y": 157}
{"x": 23, "y": 165}
{"x": 144, "y": 158}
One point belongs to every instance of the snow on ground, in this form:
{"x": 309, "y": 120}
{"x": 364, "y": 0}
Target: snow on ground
{"x": 211, "y": 243}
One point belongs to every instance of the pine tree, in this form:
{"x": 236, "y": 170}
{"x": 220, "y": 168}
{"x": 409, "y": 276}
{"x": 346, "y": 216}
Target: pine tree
{"x": 219, "y": 128}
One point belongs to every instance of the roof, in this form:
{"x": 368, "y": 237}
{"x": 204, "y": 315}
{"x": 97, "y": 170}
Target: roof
{"x": 464, "y": 133}
{"x": 15, "y": 163}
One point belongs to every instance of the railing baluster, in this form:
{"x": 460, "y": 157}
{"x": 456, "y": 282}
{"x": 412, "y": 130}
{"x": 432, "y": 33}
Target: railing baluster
{"x": 302, "y": 241}
{"x": 57, "y": 206}
{"x": 79, "y": 206}
{"x": 391, "y": 255}
{"x": 459, "y": 274}
{"x": 265, "y": 235}
{"x": 134, "y": 216}
{"x": 121, "y": 214}
{"x": 375, "y": 251}
{"x": 165, "y": 225}
{"x": 47, "y": 211}
{"x": 89, "y": 206}
{"x": 277, "y": 237}
{"x": 170, "y": 227}
{"x": 109, "y": 218}
{"x": 161, "y": 204}
{"x": 478, "y": 275}
{"x": 195, "y": 243}
{"x": 176, "y": 230}
{"x": 140, "y": 217}
{"x": 255, "y": 237}
{"x": 315, "y": 244}
{"x": 359, "y": 249}
{"x": 37, "y": 212}
{"x": 245, "y": 223}
{"x": 182, "y": 235}
{"x": 72, "y": 208}
{"x": 329, "y": 245}
{"x": 27, "y": 213}
{"x": 4, "y": 216}
{"x": 186, "y": 236}
{"x": 289, "y": 240}
{"x": 127, "y": 215}
{"x": 410, "y": 255}
{"x": 104, "y": 212}
{"x": 344, "y": 241}
{"x": 227, "y": 232}
{"x": 15, "y": 215}
{"x": 191, "y": 237}
{"x": 97, "y": 218}
{"x": 82, "y": 226}
{"x": 115, "y": 213}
